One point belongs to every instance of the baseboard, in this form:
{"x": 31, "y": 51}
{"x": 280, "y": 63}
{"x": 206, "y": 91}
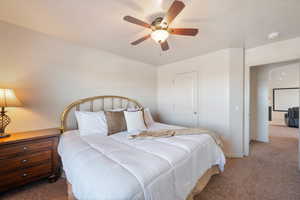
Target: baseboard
{"x": 261, "y": 140}
{"x": 234, "y": 155}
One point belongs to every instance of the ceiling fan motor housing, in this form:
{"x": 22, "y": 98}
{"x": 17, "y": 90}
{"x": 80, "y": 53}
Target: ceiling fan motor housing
{"x": 159, "y": 23}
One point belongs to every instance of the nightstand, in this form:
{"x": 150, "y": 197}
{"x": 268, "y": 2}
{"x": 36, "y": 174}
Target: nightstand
{"x": 29, "y": 156}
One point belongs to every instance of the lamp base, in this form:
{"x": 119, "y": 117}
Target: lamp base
{"x": 4, "y": 121}
{"x": 4, "y": 135}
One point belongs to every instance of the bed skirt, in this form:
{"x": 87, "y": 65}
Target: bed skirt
{"x": 202, "y": 182}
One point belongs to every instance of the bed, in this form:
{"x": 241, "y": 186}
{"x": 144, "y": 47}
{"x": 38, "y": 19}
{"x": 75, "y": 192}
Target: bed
{"x": 115, "y": 168}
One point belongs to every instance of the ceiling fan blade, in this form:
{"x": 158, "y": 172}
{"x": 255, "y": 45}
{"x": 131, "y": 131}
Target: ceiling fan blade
{"x": 140, "y": 40}
{"x": 174, "y": 10}
{"x": 136, "y": 21}
{"x": 164, "y": 46}
{"x": 184, "y": 31}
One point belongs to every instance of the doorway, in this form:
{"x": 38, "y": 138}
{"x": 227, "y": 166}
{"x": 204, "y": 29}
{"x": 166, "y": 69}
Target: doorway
{"x": 248, "y": 114}
{"x": 274, "y": 98}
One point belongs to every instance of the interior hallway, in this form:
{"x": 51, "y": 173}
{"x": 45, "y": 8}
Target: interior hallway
{"x": 250, "y": 178}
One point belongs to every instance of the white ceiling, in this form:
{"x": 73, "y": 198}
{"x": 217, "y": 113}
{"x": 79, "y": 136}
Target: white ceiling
{"x": 99, "y": 24}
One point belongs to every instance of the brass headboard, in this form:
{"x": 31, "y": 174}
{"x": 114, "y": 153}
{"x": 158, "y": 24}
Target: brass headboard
{"x": 115, "y": 103}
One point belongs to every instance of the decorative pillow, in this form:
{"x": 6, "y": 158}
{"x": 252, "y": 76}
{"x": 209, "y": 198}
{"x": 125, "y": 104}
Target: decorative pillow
{"x": 91, "y": 122}
{"x": 134, "y": 121}
{"x": 115, "y": 121}
{"x": 133, "y": 109}
{"x": 148, "y": 117}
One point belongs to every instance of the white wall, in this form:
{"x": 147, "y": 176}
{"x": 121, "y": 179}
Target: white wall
{"x": 49, "y": 73}
{"x": 276, "y": 52}
{"x": 218, "y": 74}
{"x": 236, "y": 100}
{"x": 36, "y": 66}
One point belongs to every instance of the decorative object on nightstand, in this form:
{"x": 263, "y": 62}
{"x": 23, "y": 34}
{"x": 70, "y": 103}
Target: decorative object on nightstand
{"x": 7, "y": 99}
{"x": 29, "y": 156}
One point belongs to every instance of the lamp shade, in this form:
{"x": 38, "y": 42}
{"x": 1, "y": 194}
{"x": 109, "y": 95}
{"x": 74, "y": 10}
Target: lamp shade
{"x": 9, "y": 99}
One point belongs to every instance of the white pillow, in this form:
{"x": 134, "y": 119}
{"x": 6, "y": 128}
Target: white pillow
{"x": 116, "y": 110}
{"x": 148, "y": 117}
{"x": 134, "y": 121}
{"x": 133, "y": 109}
{"x": 91, "y": 123}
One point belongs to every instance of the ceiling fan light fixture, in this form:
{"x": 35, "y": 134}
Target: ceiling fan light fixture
{"x": 160, "y": 36}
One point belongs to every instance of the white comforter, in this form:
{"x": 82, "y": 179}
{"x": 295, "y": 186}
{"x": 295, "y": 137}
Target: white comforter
{"x": 116, "y": 168}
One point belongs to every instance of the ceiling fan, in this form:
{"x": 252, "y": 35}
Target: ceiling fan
{"x": 160, "y": 26}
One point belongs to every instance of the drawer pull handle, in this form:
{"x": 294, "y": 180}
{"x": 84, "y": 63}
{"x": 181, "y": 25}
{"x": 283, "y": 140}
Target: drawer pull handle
{"x": 24, "y": 148}
{"x": 24, "y": 161}
{"x": 24, "y": 175}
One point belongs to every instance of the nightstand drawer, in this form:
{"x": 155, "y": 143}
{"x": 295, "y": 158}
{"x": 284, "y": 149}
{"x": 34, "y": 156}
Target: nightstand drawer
{"x": 21, "y": 148}
{"x": 24, "y": 161}
{"x": 25, "y": 175}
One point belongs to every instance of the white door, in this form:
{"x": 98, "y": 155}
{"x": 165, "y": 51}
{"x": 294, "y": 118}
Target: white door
{"x": 185, "y": 97}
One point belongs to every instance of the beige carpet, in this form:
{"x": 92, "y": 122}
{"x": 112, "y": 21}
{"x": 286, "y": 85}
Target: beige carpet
{"x": 270, "y": 173}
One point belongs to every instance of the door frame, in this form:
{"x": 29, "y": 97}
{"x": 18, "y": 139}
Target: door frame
{"x": 299, "y": 133}
{"x": 247, "y": 114}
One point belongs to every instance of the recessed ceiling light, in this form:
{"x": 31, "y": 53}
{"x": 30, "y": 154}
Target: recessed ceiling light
{"x": 273, "y": 36}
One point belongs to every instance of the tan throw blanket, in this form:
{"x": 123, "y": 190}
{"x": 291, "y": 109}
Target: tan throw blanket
{"x": 173, "y": 132}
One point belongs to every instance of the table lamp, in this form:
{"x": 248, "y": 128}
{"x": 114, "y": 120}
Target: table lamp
{"x": 7, "y": 99}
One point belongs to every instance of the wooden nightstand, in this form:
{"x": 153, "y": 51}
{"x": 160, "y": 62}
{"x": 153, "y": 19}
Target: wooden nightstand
{"x": 29, "y": 156}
